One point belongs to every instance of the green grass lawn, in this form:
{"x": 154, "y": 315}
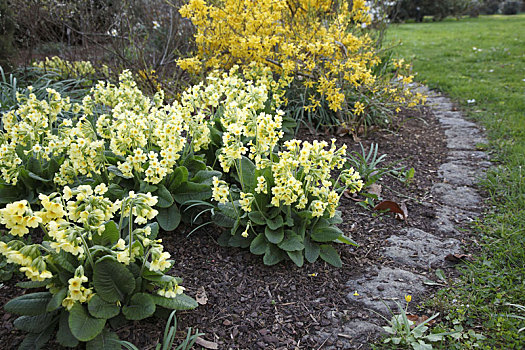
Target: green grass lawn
{"x": 482, "y": 61}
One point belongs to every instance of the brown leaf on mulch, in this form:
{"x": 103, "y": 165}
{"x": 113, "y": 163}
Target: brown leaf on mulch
{"x": 201, "y": 297}
{"x": 206, "y": 343}
{"x": 375, "y": 189}
{"x": 394, "y": 208}
{"x": 419, "y": 319}
{"x": 457, "y": 258}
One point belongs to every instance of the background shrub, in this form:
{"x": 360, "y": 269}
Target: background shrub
{"x": 417, "y": 9}
{"x": 510, "y": 7}
{"x": 7, "y": 29}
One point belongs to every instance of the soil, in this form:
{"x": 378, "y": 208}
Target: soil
{"x": 253, "y": 306}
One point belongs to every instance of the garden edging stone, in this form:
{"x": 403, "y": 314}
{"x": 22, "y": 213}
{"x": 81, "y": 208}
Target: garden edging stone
{"x": 415, "y": 252}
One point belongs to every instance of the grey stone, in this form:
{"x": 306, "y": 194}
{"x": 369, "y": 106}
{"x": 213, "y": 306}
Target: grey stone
{"x": 450, "y": 116}
{"x": 397, "y": 283}
{"x": 464, "y": 138}
{"x": 447, "y": 218}
{"x": 475, "y": 157}
{"x": 417, "y": 248}
{"x": 456, "y": 122}
{"x": 459, "y": 173}
{"x": 456, "y": 196}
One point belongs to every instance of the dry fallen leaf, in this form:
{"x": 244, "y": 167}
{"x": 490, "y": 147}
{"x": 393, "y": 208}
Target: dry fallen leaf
{"x": 206, "y": 343}
{"x": 393, "y": 207}
{"x": 456, "y": 258}
{"x": 375, "y": 189}
{"x": 201, "y": 297}
{"x": 419, "y": 319}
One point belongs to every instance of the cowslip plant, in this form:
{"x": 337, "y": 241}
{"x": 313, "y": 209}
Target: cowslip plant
{"x": 279, "y": 203}
{"x": 116, "y": 136}
{"x": 98, "y": 273}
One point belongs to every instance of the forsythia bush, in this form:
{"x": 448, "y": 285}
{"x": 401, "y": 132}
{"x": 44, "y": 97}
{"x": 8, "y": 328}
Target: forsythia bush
{"x": 320, "y": 45}
{"x": 291, "y": 37}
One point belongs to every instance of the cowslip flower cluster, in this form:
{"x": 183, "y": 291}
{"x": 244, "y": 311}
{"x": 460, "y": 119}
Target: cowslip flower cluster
{"x": 66, "y": 69}
{"x": 76, "y": 292}
{"x": 28, "y": 257}
{"x": 18, "y": 218}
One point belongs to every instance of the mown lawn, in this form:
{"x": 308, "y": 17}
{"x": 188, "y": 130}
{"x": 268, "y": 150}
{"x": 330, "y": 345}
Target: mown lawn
{"x": 480, "y": 63}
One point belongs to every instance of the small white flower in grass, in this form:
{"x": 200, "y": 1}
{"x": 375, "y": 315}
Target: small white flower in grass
{"x": 471, "y": 101}
{"x": 156, "y": 25}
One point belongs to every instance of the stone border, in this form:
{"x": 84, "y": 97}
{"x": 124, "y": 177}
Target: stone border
{"x": 455, "y": 200}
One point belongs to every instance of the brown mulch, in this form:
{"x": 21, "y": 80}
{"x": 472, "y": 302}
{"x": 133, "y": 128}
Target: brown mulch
{"x": 253, "y": 306}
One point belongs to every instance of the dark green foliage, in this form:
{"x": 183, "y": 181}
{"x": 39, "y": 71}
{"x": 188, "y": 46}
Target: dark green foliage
{"x": 7, "y": 29}
{"x": 510, "y": 7}
{"x": 417, "y": 9}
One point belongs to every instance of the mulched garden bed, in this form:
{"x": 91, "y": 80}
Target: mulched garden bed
{"x": 247, "y": 305}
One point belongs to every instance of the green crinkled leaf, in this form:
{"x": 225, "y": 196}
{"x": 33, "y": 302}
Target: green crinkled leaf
{"x": 275, "y": 223}
{"x": 292, "y": 242}
{"x": 8, "y": 194}
{"x": 116, "y": 191}
{"x": 180, "y": 302}
{"x": 247, "y": 172}
{"x": 206, "y": 176}
{"x": 154, "y": 226}
{"x": 64, "y": 335}
{"x": 140, "y": 307}
{"x": 297, "y": 257}
{"x": 112, "y": 280}
{"x": 110, "y": 235}
{"x": 191, "y": 191}
{"x": 330, "y": 255}
{"x": 311, "y": 250}
{"x": 56, "y": 301}
{"x": 347, "y": 240}
{"x": 34, "y": 324}
{"x": 62, "y": 259}
{"x": 33, "y": 284}
{"x": 106, "y": 340}
{"x": 35, "y": 341}
{"x": 273, "y": 255}
{"x": 257, "y": 218}
{"x": 194, "y": 164}
{"x": 29, "y": 304}
{"x": 165, "y": 199}
{"x": 259, "y": 245}
{"x": 145, "y": 187}
{"x": 82, "y": 325}
{"x": 326, "y": 234}
{"x": 52, "y": 168}
{"x": 113, "y": 169}
{"x": 274, "y": 236}
{"x": 225, "y": 216}
{"x": 34, "y": 165}
{"x": 102, "y": 309}
{"x": 169, "y": 218}
{"x": 36, "y": 177}
{"x": 178, "y": 177}
{"x": 336, "y": 219}
{"x": 239, "y": 241}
